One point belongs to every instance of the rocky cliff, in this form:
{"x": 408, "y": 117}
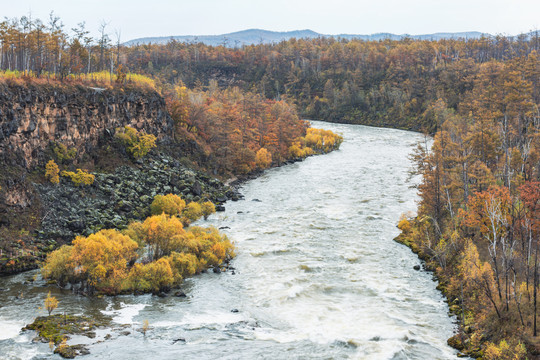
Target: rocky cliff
{"x": 33, "y": 116}
{"x": 37, "y": 216}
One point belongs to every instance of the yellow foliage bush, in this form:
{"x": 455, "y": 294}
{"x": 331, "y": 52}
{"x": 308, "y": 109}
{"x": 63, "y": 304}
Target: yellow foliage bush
{"x": 191, "y": 213}
{"x": 322, "y": 140}
{"x": 182, "y": 264}
{"x": 169, "y": 204}
{"x": 79, "y": 178}
{"x": 161, "y": 232}
{"x": 138, "y": 144}
{"x": 106, "y": 261}
{"x": 103, "y": 256}
{"x": 404, "y": 225}
{"x": 58, "y": 265}
{"x": 206, "y": 238}
{"x": 307, "y": 151}
{"x": 315, "y": 141}
{"x": 505, "y": 352}
{"x": 295, "y": 151}
{"x": 208, "y": 208}
{"x": 51, "y": 172}
{"x": 263, "y": 158}
{"x": 151, "y": 277}
{"x": 100, "y": 259}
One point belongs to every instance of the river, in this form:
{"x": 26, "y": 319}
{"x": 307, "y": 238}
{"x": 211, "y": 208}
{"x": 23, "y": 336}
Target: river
{"x": 318, "y": 275}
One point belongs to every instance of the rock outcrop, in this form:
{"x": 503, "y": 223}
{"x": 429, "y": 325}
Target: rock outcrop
{"x": 33, "y": 116}
{"x": 36, "y": 216}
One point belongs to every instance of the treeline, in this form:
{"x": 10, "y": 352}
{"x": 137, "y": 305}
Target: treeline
{"x": 382, "y": 83}
{"x": 240, "y": 132}
{"x": 46, "y": 48}
{"x": 478, "y": 222}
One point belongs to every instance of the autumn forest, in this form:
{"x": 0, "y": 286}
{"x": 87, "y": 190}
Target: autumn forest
{"x": 477, "y": 101}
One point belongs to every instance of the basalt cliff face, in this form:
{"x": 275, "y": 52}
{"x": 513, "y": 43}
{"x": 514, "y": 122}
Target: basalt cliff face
{"x": 37, "y": 216}
{"x": 31, "y": 117}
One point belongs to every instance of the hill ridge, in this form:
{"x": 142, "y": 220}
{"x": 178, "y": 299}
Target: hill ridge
{"x": 255, "y": 36}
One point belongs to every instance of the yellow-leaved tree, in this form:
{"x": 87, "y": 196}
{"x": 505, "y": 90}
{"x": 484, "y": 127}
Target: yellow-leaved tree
{"x": 160, "y": 232}
{"x": 192, "y": 212}
{"x": 138, "y": 144}
{"x": 99, "y": 260}
{"x": 51, "y": 172}
{"x": 169, "y": 204}
{"x": 263, "y": 158}
{"x": 208, "y": 208}
{"x": 79, "y": 178}
{"x": 51, "y": 303}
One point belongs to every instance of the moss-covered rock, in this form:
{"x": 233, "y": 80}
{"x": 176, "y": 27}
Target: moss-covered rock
{"x": 57, "y": 328}
{"x": 456, "y": 342}
{"x": 116, "y": 199}
{"x": 70, "y": 351}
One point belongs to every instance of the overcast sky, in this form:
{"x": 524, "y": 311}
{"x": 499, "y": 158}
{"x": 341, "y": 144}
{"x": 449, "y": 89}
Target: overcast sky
{"x": 142, "y": 18}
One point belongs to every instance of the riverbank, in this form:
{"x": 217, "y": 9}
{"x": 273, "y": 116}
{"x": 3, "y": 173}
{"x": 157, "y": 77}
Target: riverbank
{"x": 113, "y": 200}
{"x": 459, "y": 341}
{"x": 475, "y": 338}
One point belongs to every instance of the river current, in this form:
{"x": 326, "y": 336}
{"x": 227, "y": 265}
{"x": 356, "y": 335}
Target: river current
{"x": 318, "y": 275}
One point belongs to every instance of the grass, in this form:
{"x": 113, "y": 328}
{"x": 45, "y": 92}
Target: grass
{"x": 97, "y": 79}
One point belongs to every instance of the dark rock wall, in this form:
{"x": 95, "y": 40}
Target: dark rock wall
{"x": 33, "y": 116}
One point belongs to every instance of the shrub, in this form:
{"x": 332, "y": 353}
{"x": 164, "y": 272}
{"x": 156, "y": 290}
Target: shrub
{"x": 169, "y": 204}
{"x": 79, "y": 178}
{"x": 404, "y": 225}
{"x": 208, "y": 209}
{"x": 158, "y": 275}
{"x": 205, "y": 239}
{"x": 138, "y": 144}
{"x": 182, "y": 264}
{"x": 191, "y": 213}
{"x": 145, "y": 327}
{"x": 58, "y": 265}
{"x": 51, "y": 303}
{"x": 316, "y": 140}
{"x": 295, "y": 151}
{"x": 505, "y": 352}
{"x": 100, "y": 260}
{"x": 151, "y": 277}
{"x": 51, "y": 172}
{"x": 161, "y": 232}
{"x": 263, "y": 158}
{"x": 63, "y": 154}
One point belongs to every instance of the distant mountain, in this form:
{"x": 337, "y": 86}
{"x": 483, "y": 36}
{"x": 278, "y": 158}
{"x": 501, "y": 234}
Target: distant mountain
{"x": 258, "y": 36}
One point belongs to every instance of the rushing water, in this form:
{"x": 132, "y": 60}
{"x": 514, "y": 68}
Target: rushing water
{"x": 318, "y": 275}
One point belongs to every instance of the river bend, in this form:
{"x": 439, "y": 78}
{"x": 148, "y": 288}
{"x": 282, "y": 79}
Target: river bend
{"x": 318, "y": 275}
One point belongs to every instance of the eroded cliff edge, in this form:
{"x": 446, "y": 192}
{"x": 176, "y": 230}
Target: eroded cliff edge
{"x": 36, "y": 216}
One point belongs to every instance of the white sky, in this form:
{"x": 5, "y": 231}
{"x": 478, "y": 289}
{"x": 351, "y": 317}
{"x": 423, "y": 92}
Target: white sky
{"x": 137, "y": 18}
